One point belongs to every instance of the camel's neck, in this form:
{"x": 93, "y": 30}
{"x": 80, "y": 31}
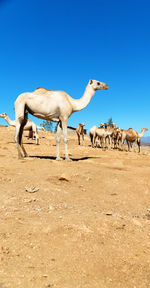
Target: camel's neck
{"x": 142, "y": 133}
{"x": 10, "y": 122}
{"x": 79, "y": 104}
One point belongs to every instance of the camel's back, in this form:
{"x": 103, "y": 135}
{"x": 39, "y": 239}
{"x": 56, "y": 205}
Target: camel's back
{"x": 100, "y": 132}
{"x": 131, "y": 134}
{"x": 92, "y": 130}
{"x": 40, "y": 91}
{"x": 45, "y": 104}
{"x": 42, "y": 95}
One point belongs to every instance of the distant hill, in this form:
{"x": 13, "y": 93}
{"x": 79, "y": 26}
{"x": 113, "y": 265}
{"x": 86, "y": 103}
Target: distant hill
{"x": 3, "y": 125}
{"x": 145, "y": 139}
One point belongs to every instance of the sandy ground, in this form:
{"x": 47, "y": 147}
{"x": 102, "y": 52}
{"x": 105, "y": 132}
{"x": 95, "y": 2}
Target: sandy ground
{"x": 88, "y": 225}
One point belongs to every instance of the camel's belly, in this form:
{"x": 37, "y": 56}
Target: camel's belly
{"x": 131, "y": 139}
{"x": 50, "y": 117}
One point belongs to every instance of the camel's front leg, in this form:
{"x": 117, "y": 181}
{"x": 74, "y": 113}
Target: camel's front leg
{"x": 122, "y": 142}
{"x": 58, "y": 141}
{"x": 82, "y": 138}
{"x": 34, "y": 129}
{"x": 64, "y": 127}
{"x": 78, "y": 139}
{"x": 37, "y": 138}
{"x": 103, "y": 143}
{"x": 108, "y": 142}
{"x": 129, "y": 146}
{"x": 139, "y": 145}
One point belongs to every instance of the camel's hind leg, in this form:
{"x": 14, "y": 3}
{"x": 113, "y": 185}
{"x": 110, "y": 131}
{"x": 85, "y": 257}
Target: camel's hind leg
{"x": 18, "y": 139}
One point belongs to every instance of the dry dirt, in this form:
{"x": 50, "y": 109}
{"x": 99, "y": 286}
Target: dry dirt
{"x": 88, "y": 225}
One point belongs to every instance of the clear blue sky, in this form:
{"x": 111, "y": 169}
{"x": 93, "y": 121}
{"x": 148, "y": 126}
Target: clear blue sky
{"x": 60, "y": 45}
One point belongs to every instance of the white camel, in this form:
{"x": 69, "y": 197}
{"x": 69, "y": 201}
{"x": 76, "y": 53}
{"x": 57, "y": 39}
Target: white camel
{"x": 91, "y": 134}
{"x": 30, "y": 125}
{"x": 41, "y": 128}
{"x": 56, "y": 106}
{"x": 102, "y": 134}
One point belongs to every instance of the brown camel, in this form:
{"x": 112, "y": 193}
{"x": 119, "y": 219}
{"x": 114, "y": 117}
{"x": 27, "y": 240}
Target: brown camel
{"x": 80, "y": 132}
{"x": 132, "y": 136}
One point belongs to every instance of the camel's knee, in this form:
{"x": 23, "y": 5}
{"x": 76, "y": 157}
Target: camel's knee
{"x": 57, "y": 139}
{"x": 65, "y": 140}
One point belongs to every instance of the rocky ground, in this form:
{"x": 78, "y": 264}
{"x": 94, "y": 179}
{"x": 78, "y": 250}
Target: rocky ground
{"x": 86, "y": 224}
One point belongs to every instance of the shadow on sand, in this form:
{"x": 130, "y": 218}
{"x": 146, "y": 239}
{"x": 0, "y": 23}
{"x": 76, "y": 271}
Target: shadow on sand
{"x": 25, "y": 143}
{"x": 54, "y": 158}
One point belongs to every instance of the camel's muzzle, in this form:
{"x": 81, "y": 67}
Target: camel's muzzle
{"x": 106, "y": 87}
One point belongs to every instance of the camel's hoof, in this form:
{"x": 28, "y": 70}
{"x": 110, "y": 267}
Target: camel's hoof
{"x": 20, "y": 157}
{"x": 59, "y": 159}
{"x": 68, "y": 159}
{"x": 25, "y": 156}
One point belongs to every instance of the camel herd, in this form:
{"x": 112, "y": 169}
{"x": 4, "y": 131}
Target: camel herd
{"x": 111, "y": 136}
{"x": 57, "y": 106}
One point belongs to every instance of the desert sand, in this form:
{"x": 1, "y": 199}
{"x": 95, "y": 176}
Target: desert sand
{"x": 87, "y": 224}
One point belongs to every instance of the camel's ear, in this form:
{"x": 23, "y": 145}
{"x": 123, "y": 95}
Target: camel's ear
{"x": 90, "y": 82}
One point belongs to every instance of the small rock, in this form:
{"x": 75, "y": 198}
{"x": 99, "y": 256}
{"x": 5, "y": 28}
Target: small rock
{"x": 136, "y": 222}
{"x": 111, "y": 214}
{"x": 6, "y": 251}
{"x": 32, "y": 189}
{"x": 63, "y": 177}
{"x": 1, "y": 249}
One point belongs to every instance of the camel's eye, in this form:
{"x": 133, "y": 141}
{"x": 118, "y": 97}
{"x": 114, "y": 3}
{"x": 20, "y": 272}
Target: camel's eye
{"x": 98, "y": 83}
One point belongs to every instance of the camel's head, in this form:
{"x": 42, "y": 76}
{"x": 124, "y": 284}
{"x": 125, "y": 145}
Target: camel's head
{"x": 113, "y": 125}
{"x": 145, "y": 129}
{"x": 3, "y": 115}
{"x": 82, "y": 124}
{"x": 101, "y": 125}
{"x": 42, "y": 128}
{"x": 97, "y": 85}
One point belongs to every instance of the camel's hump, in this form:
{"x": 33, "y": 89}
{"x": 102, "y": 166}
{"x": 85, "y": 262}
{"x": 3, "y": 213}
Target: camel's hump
{"x": 40, "y": 90}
